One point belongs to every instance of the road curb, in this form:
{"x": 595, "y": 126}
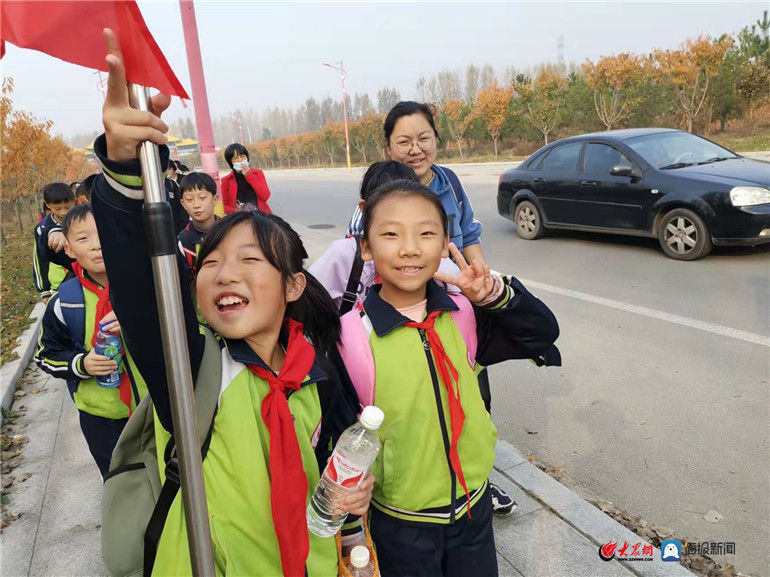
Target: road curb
{"x": 10, "y": 373}
{"x": 581, "y": 515}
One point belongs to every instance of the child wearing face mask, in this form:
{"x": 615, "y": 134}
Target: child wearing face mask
{"x": 243, "y": 184}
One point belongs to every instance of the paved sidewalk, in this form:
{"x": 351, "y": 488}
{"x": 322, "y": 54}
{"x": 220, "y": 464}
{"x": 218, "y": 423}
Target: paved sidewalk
{"x": 553, "y": 533}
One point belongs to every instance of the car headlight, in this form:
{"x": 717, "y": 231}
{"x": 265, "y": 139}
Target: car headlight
{"x": 749, "y": 195}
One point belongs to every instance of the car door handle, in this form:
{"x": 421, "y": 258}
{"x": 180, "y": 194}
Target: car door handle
{"x": 538, "y": 180}
{"x": 588, "y": 183}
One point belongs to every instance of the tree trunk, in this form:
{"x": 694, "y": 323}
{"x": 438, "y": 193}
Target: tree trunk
{"x": 460, "y": 148}
{"x": 18, "y": 214}
{"x": 31, "y": 208}
{"x": 494, "y": 140}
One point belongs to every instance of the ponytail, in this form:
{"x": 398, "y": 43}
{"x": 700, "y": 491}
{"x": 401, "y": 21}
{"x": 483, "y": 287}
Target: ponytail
{"x": 316, "y": 310}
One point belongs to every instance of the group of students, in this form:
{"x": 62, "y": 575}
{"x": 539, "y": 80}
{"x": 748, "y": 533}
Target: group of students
{"x": 404, "y": 314}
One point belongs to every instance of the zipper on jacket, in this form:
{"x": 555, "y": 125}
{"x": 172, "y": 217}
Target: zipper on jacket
{"x": 442, "y": 421}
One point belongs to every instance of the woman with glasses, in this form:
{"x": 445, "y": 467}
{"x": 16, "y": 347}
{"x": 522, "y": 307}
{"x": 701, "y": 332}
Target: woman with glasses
{"x": 411, "y": 137}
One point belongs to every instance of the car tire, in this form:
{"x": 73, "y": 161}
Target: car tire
{"x": 683, "y": 235}
{"x": 529, "y": 223}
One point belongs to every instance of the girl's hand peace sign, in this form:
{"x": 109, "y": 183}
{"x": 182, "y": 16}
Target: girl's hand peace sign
{"x": 126, "y": 127}
{"x": 474, "y": 280}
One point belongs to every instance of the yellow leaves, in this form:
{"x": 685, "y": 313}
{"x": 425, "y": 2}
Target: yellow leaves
{"x": 702, "y": 56}
{"x": 31, "y": 156}
{"x": 491, "y": 105}
{"x": 616, "y": 73}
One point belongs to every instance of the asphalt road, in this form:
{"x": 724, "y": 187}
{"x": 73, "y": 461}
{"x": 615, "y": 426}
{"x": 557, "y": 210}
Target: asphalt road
{"x": 662, "y": 403}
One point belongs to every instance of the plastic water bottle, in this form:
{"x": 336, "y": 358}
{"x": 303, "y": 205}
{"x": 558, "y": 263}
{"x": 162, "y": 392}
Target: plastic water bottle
{"x": 354, "y": 454}
{"x": 359, "y": 565}
{"x": 111, "y": 346}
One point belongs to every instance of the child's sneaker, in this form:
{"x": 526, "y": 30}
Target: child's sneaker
{"x": 501, "y": 501}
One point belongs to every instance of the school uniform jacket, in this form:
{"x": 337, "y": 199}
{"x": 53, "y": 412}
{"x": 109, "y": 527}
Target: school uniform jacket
{"x": 236, "y": 468}
{"x": 60, "y": 354}
{"x": 414, "y": 480}
{"x": 49, "y": 267}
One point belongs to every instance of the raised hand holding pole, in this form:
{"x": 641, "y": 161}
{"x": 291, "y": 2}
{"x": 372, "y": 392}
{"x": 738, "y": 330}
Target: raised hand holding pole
{"x": 147, "y": 129}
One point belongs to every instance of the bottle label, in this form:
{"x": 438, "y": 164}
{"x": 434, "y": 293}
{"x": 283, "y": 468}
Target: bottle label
{"x": 342, "y": 473}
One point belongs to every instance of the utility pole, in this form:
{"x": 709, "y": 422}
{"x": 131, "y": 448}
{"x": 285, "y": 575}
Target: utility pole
{"x": 338, "y": 67}
{"x": 200, "y": 99}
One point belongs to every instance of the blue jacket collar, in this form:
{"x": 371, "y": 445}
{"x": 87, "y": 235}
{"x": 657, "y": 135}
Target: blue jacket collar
{"x": 241, "y": 352}
{"x": 385, "y": 317}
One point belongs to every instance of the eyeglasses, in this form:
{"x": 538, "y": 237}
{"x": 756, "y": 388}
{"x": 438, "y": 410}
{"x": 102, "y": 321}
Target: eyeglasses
{"x": 425, "y": 143}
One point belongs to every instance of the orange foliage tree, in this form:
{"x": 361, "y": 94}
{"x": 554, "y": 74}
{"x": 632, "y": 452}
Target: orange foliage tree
{"x": 543, "y": 98}
{"x": 458, "y": 120}
{"x": 615, "y": 81}
{"x": 491, "y": 105}
{"x": 364, "y": 132}
{"x": 31, "y": 156}
{"x": 690, "y": 70}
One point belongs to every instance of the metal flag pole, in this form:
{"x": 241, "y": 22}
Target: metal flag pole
{"x": 162, "y": 248}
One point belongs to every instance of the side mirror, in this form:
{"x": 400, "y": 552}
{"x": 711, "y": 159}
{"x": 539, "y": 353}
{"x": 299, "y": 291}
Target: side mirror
{"x": 625, "y": 170}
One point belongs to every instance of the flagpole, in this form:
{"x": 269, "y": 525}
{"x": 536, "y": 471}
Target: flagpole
{"x": 162, "y": 247}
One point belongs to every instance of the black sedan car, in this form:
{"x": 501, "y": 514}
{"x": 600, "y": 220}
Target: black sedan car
{"x": 682, "y": 189}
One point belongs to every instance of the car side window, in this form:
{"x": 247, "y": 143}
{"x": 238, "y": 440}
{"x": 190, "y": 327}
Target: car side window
{"x": 600, "y": 159}
{"x": 563, "y": 158}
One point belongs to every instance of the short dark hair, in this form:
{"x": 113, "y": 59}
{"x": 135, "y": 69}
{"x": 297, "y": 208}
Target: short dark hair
{"x": 407, "y": 108}
{"x": 77, "y": 213}
{"x": 58, "y": 192}
{"x": 198, "y": 180}
{"x": 85, "y": 187}
{"x": 404, "y": 188}
{"x": 386, "y": 171}
{"x": 232, "y": 150}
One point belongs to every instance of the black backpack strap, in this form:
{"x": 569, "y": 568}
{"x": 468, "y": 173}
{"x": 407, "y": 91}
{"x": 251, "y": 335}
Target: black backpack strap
{"x": 207, "y": 386}
{"x": 158, "y": 519}
{"x": 351, "y": 290}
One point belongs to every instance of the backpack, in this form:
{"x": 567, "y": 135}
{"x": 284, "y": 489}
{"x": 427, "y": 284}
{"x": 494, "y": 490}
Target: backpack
{"x": 73, "y": 310}
{"x": 134, "y": 503}
{"x": 356, "y": 352}
{"x": 350, "y": 296}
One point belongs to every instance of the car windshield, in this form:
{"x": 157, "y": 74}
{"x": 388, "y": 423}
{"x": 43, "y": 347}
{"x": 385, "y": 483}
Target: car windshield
{"x": 669, "y": 150}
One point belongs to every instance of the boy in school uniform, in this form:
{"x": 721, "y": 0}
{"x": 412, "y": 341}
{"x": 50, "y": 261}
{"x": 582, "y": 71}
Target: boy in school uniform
{"x": 50, "y": 263}
{"x": 198, "y": 198}
{"x": 65, "y": 345}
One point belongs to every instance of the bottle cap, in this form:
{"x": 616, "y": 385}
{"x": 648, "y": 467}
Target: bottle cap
{"x": 359, "y": 555}
{"x": 371, "y": 417}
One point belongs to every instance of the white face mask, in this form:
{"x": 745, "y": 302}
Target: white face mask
{"x": 239, "y": 166}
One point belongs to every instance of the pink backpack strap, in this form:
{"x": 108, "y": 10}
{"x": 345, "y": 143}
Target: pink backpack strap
{"x": 465, "y": 320}
{"x": 356, "y": 353}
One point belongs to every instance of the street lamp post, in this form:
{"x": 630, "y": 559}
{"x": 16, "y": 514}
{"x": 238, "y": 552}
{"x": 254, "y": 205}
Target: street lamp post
{"x": 338, "y": 67}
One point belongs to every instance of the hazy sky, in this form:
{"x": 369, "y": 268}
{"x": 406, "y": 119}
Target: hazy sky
{"x": 266, "y": 54}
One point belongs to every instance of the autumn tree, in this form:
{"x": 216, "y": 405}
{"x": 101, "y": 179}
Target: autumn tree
{"x": 491, "y": 106}
{"x": 31, "y": 156}
{"x": 690, "y": 70}
{"x": 364, "y": 132}
{"x": 543, "y": 98}
{"x": 458, "y": 119}
{"x": 615, "y": 81}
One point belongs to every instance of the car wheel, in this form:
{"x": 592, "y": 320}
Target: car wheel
{"x": 529, "y": 225}
{"x": 683, "y": 235}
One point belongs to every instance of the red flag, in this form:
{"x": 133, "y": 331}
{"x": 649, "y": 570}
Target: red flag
{"x": 72, "y": 31}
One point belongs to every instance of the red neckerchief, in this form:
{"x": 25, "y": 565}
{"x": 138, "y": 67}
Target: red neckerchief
{"x": 103, "y": 306}
{"x": 288, "y": 483}
{"x": 450, "y": 376}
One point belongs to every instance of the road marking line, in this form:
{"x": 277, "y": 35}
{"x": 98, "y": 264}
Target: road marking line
{"x": 655, "y": 314}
